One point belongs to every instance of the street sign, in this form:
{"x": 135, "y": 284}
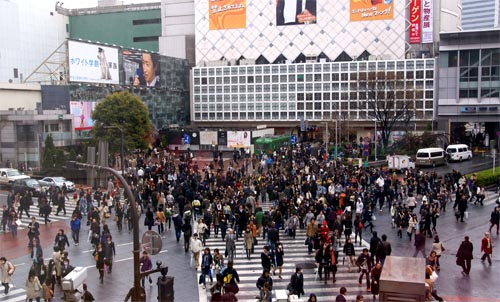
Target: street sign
{"x": 186, "y": 139}
{"x": 293, "y": 139}
{"x": 151, "y": 242}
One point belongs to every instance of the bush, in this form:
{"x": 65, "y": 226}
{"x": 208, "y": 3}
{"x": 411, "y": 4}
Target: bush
{"x": 487, "y": 177}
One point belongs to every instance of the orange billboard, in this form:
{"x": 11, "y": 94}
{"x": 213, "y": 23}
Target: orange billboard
{"x": 227, "y": 14}
{"x": 369, "y": 10}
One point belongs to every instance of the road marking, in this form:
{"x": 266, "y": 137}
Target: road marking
{"x": 125, "y": 259}
{"x": 123, "y": 244}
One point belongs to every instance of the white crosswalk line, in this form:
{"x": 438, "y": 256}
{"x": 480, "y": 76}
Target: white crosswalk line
{"x": 295, "y": 253}
{"x": 14, "y": 295}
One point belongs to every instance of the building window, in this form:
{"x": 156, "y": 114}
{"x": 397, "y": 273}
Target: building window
{"x": 146, "y": 39}
{"x": 146, "y": 21}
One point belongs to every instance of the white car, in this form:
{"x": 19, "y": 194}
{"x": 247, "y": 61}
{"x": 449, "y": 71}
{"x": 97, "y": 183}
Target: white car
{"x": 57, "y": 181}
{"x": 8, "y": 176}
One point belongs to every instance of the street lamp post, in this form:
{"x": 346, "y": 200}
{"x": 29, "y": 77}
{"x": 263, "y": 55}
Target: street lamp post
{"x": 121, "y": 147}
{"x": 138, "y": 294}
{"x": 375, "y": 139}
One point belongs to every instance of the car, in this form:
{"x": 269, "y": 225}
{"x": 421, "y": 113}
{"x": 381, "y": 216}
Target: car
{"x": 24, "y": 185}
{"x": 57, "y": 181}
{"x": 8, "y": 176}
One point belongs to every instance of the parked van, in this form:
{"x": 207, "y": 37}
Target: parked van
{"x": 430, "y": 157}
{"x": 458, "y": 152}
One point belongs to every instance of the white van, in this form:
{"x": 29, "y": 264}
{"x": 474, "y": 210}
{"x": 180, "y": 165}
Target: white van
{"x": 430, "y": 157}
{"x": 458, "y": 152}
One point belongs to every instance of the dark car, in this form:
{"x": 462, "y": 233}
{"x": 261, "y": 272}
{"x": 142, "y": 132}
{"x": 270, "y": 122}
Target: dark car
{"x": 24, "y": 185}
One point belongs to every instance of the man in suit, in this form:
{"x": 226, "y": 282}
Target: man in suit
{"x": 293, "y": 12}
{"x": 341, "y": 297}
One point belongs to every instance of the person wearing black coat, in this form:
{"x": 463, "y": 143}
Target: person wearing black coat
{"x": 265, "y": 277}
{"x": 149, "y": 220}
{"x": 374, "y": 241}
{"x": 464, "y": 255}
{"x": 297, "y": 282}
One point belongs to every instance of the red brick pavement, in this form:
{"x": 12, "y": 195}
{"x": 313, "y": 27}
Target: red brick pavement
{"x": 13, "y": 248}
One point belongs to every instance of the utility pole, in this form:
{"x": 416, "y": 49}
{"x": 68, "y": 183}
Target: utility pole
{"x": 138, "y": 293}
{"x": 121, "y": 147}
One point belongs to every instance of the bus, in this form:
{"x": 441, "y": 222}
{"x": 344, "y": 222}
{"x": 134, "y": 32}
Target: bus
{"x": 270, "y": 143}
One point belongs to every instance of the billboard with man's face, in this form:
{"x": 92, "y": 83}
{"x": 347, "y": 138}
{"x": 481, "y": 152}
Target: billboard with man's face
{"x": 93, "y": 63}
{"x": 295, "y": 12}
{"x": 141, "y": 68}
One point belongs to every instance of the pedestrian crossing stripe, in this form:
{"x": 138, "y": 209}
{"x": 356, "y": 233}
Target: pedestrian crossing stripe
{"x": 14, "y": 295}
{"x": 33, "y": 211}
{"x": 296, "y": 252}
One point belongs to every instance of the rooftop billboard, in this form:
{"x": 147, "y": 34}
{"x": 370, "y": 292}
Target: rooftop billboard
{"x": 93, "y": 63}
{"x": 141, "y": 68}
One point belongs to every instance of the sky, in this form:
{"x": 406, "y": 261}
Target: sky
{"x": 93, "y": 3}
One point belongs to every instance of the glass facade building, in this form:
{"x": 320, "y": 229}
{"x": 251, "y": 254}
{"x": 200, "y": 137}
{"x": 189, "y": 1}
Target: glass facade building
{"x": 287, "y": 93}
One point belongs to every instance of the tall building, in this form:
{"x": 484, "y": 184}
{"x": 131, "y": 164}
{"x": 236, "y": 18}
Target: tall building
{"x": 483, "y": 14}
{"x": 132, "y": 25}
{"x": 30, "y": 31}
{"x": 177, "y": 29}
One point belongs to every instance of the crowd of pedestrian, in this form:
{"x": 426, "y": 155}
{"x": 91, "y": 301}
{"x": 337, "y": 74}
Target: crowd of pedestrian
{"x": 330, "y": 201}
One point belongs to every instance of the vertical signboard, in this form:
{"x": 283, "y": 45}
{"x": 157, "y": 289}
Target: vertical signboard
{"x": 227, "y": 14}
{"x": 415, "y": 22}
{"x": 427, "y": 20}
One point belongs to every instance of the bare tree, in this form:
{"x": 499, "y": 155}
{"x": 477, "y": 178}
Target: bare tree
{"x": 387, "y": 104}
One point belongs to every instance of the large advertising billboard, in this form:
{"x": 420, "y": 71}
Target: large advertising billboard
{"x": 227, "y": 14}
{"x": 415, "y": 22}
{"x": 295, "y": 12}
{"x": 82, "y": 114}
{"x": 93, "y": 63}
{"x": 238, "y": 139}
{"x": 208, "y": 138}
{"x": 141, "y": 68}
{"x": 427, "y": 21}
{"x": 370, "y": 10}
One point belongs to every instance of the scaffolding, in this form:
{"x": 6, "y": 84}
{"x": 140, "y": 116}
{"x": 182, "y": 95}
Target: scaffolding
{"x": 54, "y": 69}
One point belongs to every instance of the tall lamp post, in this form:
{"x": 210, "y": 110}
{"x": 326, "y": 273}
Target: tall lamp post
{"x": 138, "y": 294}
{"x": 121, "y": 147}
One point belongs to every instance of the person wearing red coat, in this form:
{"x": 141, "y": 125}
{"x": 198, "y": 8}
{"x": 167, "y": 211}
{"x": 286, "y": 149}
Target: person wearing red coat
{"x": 324, "y": 231}
{"x": 486, "y": 247}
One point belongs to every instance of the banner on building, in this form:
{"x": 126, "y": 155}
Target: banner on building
{"x": 82, "y": 114}
{"x": 141, "y": 68}
{"x": 238, "y": 139}
{"x": 415, "y": 21}
{"x": 370, "y": 10}
{"x": 427, "y": 21}
{"x": 208, "y": 138}
{"x": 93, "y": 63}
{"x": 295, "y": 12}
{"x": 227, "y": 14}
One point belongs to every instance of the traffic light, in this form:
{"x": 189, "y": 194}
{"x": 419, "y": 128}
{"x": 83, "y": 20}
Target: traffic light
{"x": 313, "y": 129}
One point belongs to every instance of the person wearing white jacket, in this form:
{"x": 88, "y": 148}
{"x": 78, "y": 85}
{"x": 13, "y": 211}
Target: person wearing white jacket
{"x": 196, "y": 247}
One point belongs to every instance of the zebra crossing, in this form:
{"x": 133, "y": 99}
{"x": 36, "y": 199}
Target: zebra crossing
{"x": 16, "y": 294}
{"x": 34, "y": 211}
{"x": 295, "y": 254}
